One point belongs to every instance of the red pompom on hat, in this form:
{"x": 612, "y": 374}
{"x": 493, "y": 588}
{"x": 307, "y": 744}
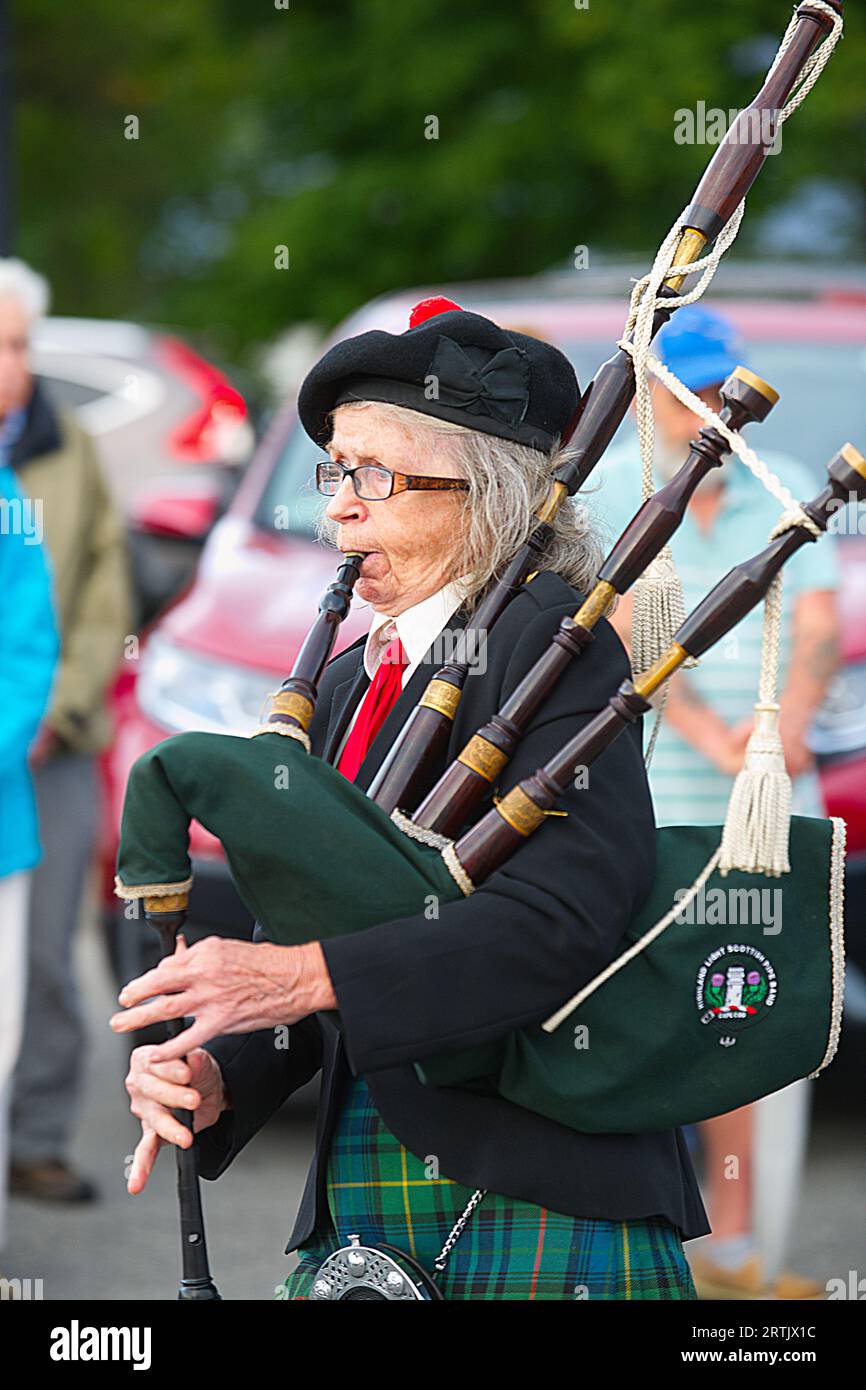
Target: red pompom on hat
{"x": 429, "y": 308}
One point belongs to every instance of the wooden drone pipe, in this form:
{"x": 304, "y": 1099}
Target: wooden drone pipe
{"x": 519, "y": 813}
{"x": 462, "y": 787}
{"x": 406, "y": 774}
{"x": 741, "y": 155}
{"x": 725, "y": 182}
{"x": 747, "y": 398}
{"x": 746, "y": 584}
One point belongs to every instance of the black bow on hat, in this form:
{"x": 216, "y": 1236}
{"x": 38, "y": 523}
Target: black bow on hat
{"x": 454, "y": 365}
{"x": 499, "y": 385}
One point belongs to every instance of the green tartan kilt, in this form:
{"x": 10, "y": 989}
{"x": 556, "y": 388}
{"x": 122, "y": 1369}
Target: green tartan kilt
{"x": 509, "y": 1249}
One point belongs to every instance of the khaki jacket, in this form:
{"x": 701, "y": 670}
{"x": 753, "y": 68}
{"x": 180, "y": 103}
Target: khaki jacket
{"x": 57, "y": 465}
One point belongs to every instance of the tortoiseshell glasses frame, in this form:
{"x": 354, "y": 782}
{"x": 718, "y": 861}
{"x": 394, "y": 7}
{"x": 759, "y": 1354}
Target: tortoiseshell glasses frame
{"x": 379, "y": 482}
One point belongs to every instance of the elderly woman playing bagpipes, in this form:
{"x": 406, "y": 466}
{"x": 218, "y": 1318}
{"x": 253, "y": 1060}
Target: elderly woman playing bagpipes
{"x": 413, "y": 952}
{"x": 442, "y": 442}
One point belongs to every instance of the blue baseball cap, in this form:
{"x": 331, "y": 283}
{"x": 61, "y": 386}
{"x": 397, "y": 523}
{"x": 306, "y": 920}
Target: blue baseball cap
{"x": 700, "y": 346}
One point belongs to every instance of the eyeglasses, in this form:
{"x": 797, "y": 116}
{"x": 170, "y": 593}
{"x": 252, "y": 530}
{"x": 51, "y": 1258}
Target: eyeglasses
{"x": 373, "y": 482}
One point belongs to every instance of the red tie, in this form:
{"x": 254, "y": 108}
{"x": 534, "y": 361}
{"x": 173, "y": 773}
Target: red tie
{"x": 381, "y": 696}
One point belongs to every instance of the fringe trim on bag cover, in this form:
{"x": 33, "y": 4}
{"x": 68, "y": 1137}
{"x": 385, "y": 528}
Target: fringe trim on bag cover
{"x": 837, "y": 939}
{"x": 287, "y": 730}
{"x": 151, "y": 890}
{"x": 436, "y": 841}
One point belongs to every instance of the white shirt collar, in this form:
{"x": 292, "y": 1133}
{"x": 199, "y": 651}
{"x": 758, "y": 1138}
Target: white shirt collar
{"x": 416, "y": 627}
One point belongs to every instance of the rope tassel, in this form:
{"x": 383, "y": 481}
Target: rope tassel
{"x": 758, "y": 821}
{"x": 658, "y": 612}
{"x": 757, "y": 825}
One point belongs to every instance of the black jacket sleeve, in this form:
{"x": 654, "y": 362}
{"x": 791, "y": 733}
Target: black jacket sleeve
{"x": 258, "y": 1076}
{"x": 538, "y": 928}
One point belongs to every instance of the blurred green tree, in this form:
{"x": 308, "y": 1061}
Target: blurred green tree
{"x": 381, "y": 143}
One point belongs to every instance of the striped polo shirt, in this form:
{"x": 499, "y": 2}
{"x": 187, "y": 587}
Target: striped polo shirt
{"x": 686, "y": 787}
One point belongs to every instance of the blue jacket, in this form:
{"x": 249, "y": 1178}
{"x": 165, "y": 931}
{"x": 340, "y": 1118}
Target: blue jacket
{"x": 28, "y": 654}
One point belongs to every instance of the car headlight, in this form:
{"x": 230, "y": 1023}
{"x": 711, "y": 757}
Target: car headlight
{"x": 840, "y": 724}
{"x": 182, "y": 690}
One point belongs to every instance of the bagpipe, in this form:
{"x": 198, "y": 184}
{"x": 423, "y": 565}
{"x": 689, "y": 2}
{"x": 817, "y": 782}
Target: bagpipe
{"x": 667, "y": 1033}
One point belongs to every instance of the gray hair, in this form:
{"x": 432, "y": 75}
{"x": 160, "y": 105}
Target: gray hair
{"x": 508, "y": 483}
{"x": 30, "y": 289}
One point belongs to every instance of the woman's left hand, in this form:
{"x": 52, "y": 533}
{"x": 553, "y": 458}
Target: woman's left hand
{"x": 228, "y": 987}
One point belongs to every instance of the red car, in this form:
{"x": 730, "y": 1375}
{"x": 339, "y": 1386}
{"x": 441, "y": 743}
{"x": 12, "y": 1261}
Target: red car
{"x": 213, "y": 657}
{"x": 163, "y": 418}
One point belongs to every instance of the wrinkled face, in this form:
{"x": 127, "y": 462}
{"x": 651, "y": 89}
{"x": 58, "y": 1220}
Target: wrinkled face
{"x": 411, "y": 535}
{"x": 15, "y": 381}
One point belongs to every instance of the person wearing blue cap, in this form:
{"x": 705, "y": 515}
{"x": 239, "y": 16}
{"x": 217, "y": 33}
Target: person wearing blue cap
{"x": 709, "y": 713}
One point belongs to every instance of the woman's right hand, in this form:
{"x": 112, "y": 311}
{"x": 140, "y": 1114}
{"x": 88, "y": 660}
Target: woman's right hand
{"x": 156, "y": 1089}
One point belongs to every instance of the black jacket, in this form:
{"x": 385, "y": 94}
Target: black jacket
{"x": 524, "y": 941}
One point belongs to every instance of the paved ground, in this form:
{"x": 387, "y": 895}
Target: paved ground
{"x": 127, "y": 1247}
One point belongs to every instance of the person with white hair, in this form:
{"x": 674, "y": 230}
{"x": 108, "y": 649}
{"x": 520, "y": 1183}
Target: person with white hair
{"x": 59, "y": 477}
{"x": 440, "y": 446}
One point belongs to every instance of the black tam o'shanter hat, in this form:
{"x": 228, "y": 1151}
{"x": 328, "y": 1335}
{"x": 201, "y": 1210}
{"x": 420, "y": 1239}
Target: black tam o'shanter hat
{"x": 454, "y": 365}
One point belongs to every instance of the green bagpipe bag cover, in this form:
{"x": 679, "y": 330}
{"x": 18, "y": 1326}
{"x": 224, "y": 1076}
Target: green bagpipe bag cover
{"x": 311, "y": 855}
{"x": 714, "y": 1013}
{"x": 735, "y": 1001}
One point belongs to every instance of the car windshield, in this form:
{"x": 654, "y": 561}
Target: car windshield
{"x": 822, "y": 387}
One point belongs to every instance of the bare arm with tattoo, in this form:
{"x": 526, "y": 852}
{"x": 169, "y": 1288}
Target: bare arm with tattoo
{"x": 815, "y": 658}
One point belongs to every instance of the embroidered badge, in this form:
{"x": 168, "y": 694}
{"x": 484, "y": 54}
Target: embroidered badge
{"x": 735, "y": 987}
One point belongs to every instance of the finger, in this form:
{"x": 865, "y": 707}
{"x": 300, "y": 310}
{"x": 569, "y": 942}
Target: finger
{"x": 159, "y": 1010}
{"x": 169, "y": 975}
{"x": 199, "y": 1033}
{"x": 166, "y": 1093}
{"x": 180, "y": 1072}
{"x": 140, "y": 1058}
{"x": 200, "y": 1065}
{"x": 168, "y": 1128}
{"x": 151, "y": 982}
{"x": 143, "y": 1160}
